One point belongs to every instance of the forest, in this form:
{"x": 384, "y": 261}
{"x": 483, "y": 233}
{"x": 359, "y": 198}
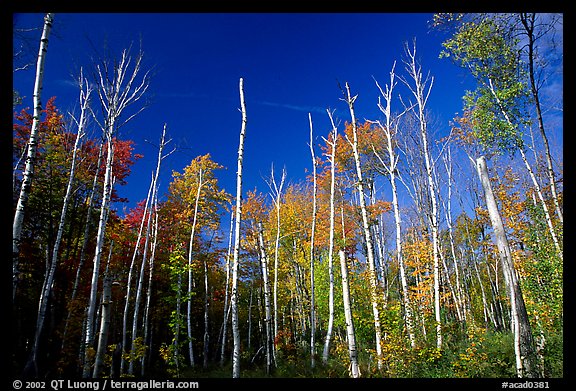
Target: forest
{"x": 401, "y": 254}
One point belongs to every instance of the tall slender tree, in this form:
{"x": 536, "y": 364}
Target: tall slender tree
{"x": 420, "y": 89}
{"x": 349, "y": 99}
{"x": 276, "y": 190}
{"x": 354, "y": 368}
{"x": 523, "y": 340}
{"x": 118, "y": 88}
{"x": 31, "y": 154}
{"x": 390, "y": 131}
{"x": 312, "y": 234}
{"x": 237, "y": 219}
{"x": 332, "y": 159}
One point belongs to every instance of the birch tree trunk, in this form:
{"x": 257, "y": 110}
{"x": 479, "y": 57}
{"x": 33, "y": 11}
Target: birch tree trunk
{"x": 31, "y": 155}
{"x": 139, "y": 289}
{"x": 105, "y": 318}
{"x": 190, "y": 283}
{"x": 149, "y": 291}
{"x": 460, "y": 307}
{"x": 227, "y": 292}
{"x": 140, "y": 285}
{"x": 276, "y": 196}
{"x": 129, "y": 281}
{"x": 108, "y": 184}
{"x": 117, "y": 89}
{"x": 391, "y": 168}
{"x": 354, "y": 369}
{"x": 312, "y": 233}
{"x": 421, "y": 92}
{"x": 332, "y": 159}
{"x": 86, "y": 237}
{"x": 50, "y": 273}
{"x": 523, "y": 340}
{"x": 235, "y": 325}
{"x": 366, "y": 227}
{"x": 269, "y": 342}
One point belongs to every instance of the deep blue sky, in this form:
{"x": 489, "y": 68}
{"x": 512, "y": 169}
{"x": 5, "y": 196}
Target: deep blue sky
{"x": 291, "y": 65}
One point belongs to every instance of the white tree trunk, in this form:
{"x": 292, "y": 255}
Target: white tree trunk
{"x": 227, "y": 292}
{"x": 267, "y": 307}
{"x": 235, "y": 325}
{"x": 391, "y": 168}
{"x": 49, "y": 277}
{"x": 312, "y": 233}
{"x": 140, "y": 285}
{"x": 354, "y": 369}
{"x": 276, "y": 196}
{"x": 90, "y": 203}
{"x": 190, "y": 282}
{"x": 105, "y": 318}
{"x": 332, "y": 159}
{"x": 149, "y": 291}
{"x": 366, "y": 227}
{"x": 31, "y": 154}
{"x": 421, "y": 92}
{"x": 116, "y": 93}
{"x": 523, "y": 341}
{"x": 129, "y": 281}
{"x": 108, "y": 184}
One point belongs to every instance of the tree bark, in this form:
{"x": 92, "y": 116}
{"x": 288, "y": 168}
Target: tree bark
{"x": 105, "y": 318}
{"x": 31, "y": 155}
{"x": 354, "y": 369}
{"x": 116, "y": 93}
{"x": 523, "y": 340}
{"x": 312, "y": 233}
{"x": 391, "y": 168}
{"x": 108, "y": 184}
{"x": 190, "y": 283}
{"x": 269, "y": 339}
{"x": 227, "y": 291}
{"x": 332, "y": 159}
{"x": 276, "y": 196}
{"x": 366, "y": 227}
{"x": 129, "y": 281}
{"x": 421, "y": 92}
{"x": 235, "y": 325}
{"x": 50, "y": 273}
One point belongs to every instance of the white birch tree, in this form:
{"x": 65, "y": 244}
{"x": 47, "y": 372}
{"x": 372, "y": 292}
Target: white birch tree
{"x": 523, "y": 341}
{"x": 227, "y": 290}
{"x": 269, "y": 339}
{"x": 332, "y": 160}
{"x": 85, "y": 91}
{"x": 105, "y": 318}
{"x": 366, "y": 226}
{"x": 312, "y": 233}
{"x": 31, "y": 154}
{"x": 190, "y": 281}
{"x": 354, "y": 368}
{"x": 238, "y": 217}
{"x": 421, "y": 89}
{"x": 118, "y": 88}
{"x": 149, "y": 218}
{"x": 390, "y": 132}
{"x": 276, "y": 194}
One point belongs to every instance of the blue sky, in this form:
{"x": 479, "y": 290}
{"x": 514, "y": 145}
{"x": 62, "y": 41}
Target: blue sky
{"x": 291, "y": 65}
